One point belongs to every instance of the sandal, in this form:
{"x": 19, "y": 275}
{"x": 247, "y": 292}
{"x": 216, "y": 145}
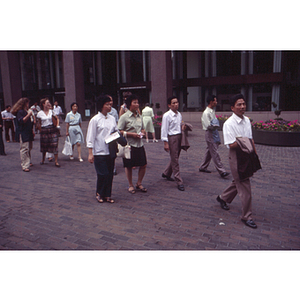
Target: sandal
{"x": 26, "y": 170}
{"x": 108, "y": 199}
{"x": 131, "y": 190}
{"x": 141, "y": 188}
{"x": 98, "y": 198}
{"x": 57, "y": 165}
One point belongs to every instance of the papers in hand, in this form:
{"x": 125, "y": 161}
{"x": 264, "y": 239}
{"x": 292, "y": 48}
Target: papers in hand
{"x": 112, "y": 137}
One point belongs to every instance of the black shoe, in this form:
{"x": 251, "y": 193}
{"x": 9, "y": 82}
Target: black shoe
{"x": 223, "y": 175}
{"x": 180, "y": 187}
{"x": 167, "y": 177}
{"x": 204, "y": 171}
{"x": 250, "y": 223}
{"x": 222, "y": 203}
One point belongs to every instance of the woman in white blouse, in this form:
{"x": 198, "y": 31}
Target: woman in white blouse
{"x": 48, "y": 132}
{"x": 100, "y": 127}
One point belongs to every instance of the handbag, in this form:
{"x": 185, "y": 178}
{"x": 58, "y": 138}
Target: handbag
{"x": 67, "y": 150}
{"x": 124, "y": 151}
{"x": 54, "y": 120}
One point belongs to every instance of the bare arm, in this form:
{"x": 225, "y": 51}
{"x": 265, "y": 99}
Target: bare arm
{"x": 91, "y": 156}
{"x": 67, "y": 129}
{"x": 166, "y": 146}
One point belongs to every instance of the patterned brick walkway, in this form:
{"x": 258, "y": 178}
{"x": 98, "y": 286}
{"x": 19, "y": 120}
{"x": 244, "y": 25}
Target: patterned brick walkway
{"x": 54, "y": 208}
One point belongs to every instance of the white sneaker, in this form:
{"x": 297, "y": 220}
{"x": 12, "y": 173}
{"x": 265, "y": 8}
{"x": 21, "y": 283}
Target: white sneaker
{"x": 71, "y": 157}
{"x": 155, "y": 141}
{"x": 80, "y": 159}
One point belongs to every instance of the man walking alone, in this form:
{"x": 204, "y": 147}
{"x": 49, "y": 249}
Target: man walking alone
{"x": 212, "y": 138}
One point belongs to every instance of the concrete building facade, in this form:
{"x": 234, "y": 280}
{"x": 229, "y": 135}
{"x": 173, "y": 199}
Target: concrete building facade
{"x": 264, "y": 77}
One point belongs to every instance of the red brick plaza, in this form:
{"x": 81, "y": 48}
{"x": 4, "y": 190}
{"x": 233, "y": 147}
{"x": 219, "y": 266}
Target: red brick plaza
{"x": 53, "y": 208}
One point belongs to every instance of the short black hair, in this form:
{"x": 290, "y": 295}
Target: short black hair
{"x": 129, "y": 99}
{"x": 101, "y": 100}
{"x": 170, "y": 99}
{"x": 210, "y": 98}
{"x": 7, "y": 106}
{"x": 235, "y": 98}
{"x": 73, "y": 103}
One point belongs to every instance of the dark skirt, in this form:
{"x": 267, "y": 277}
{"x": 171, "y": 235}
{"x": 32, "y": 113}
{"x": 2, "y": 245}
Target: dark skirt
{"x": 138, "y": 158}
{"x": 49, "y": 139}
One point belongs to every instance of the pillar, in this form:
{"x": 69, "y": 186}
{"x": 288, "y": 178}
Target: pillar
{"x": 11, "y": 76}
{"x": 276, "y": 87}
{"x": 161, "y": 78}
{"x": 74, "y": 80}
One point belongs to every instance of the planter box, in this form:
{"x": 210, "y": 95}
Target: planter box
{"x": 221, "y": 122}
{"x": 276, "y": 138}
{"x": 157, "y": 133}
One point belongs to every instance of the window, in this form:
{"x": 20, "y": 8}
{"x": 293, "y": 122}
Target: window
{"x": 28, "y": 71}
{"x": 41, "y": 70}
{"x": 228, "y": 63}
{"x": 262, "y": 62}
{"x": 133, "y": 66}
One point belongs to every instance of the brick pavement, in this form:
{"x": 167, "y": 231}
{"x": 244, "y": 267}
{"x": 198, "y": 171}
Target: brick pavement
{"x": 54, "y": 208}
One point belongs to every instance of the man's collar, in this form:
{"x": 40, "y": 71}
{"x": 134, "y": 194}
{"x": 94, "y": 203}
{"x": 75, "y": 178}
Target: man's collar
{"x": 173, "y": 113}
{"x": 237, "y": 118}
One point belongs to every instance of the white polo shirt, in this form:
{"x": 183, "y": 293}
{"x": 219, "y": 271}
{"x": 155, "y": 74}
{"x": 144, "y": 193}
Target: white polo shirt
{"x": 236, "y": 127}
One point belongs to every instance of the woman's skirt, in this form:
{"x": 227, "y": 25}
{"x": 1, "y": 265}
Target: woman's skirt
{"x": 76, "y": 135}
{"x": 138, "y": 158}
{"x": 148, "y": 124}
{"x": 49, "y": 139}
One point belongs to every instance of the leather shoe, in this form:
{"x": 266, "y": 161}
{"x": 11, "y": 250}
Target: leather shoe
{"x": 180, "y": 187}
{"x": 223, "y": 175}
{"x": 167, "y": 177}
{"x": 250, "y": 223}
{"x": 222, "y": 203}
{"x": 204, "y": 171}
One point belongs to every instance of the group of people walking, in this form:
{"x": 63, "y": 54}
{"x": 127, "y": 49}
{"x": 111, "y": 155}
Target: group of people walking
{"x": 107, "y": 132}
{"x": 46, "y": 122}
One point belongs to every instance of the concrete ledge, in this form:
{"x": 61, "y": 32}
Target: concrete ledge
{"x": 254, "y": 115}
{"x": 276, "y": 138}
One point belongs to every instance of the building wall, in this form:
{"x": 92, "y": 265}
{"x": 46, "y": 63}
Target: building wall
{"x": 262, "y": 76}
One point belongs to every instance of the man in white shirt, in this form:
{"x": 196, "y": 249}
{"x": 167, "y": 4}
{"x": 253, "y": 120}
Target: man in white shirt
{"x": 212, "y": 147}
{"x": 8, "y": 119}
{"x": 237, "y": 126}
{"x": 58, "y": 111}
{"x": 171, "y": 129}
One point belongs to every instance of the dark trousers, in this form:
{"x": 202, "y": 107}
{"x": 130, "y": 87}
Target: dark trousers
{"x": 104, "y": 166}
{"x": 9, "y": 125}
{"x": 2, "y": 149}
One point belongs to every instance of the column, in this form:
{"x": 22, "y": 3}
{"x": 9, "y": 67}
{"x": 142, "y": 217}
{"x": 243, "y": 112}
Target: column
{"x": 161, "y": 78}
{"x": 74, "y": 81}
{"x": 11, "y": 76}
{"x": 276, "y": 87}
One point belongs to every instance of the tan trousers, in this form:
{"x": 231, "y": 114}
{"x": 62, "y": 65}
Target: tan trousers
{"x": 25, "y": 149}
{"x": 212, "y": 153}
{"x": 238, "y": 187}
{"x": 173, "y": 166}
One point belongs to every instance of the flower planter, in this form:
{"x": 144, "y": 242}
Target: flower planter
{"x": 221, "y": 122}
{"x": 157, "y": 133}
{"x": 276, "y": 138}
